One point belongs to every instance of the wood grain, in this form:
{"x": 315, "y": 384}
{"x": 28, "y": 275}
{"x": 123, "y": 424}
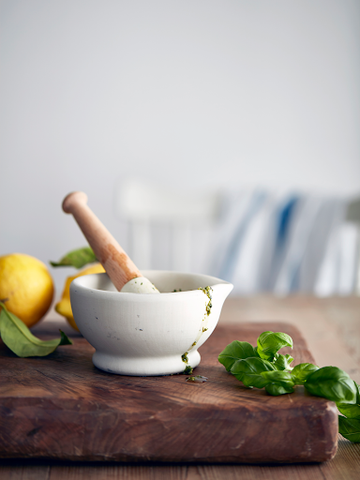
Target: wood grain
{"x": 345, "y": 466}
{"x": 62, "y": 407}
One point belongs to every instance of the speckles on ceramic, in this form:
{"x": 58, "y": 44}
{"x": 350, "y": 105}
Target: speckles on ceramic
{"x": 141, "y": 334}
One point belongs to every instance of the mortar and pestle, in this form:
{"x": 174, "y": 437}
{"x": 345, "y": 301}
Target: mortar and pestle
{"x": 135, "y": 329}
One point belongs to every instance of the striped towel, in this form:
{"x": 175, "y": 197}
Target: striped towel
{"x": 285, "y": 242}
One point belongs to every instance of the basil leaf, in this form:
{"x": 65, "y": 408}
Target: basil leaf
{"x": 16, "y": 336}
{"x": 279, "y": 376}
{"x": 235, "y": 351}
{"x": 270, "y": 342}
{"x": 301, "y": 372}
{"x": 333, "y": 384}
{"x": 278, "y": 389}
{"x": 280, "y": 382}
{"x": 350, "y": 411}
{"x": 76, "y": 258}
{"x": 357, "y": 392}
{"x": 249, "y": 370}
{"x": 282, "y": 362}
{"x": 350, "y": 428}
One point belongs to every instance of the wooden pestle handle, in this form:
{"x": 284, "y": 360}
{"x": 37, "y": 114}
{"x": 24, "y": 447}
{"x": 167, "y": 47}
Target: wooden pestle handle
{"x": 113, "y": 258}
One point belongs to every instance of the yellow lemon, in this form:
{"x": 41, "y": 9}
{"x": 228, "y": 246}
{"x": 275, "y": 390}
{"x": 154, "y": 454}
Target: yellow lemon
{"x": 64, "y": 307}
{"x": 27, "y": 287}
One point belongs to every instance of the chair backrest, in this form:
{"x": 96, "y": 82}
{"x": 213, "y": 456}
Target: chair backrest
{"x": 170, "y": 214}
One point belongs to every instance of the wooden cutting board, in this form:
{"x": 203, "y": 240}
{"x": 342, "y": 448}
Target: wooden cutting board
{"x": 62, "y": 407}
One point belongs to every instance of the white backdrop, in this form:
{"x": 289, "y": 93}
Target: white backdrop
{"x": 195, "y": 94}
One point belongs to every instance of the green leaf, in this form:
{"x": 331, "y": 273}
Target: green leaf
{"x": 279, "y": 382}
{"x": 333, "y": 384}
{"x": 236, "y": 351}
{"x": 357, "y": 392}
{"x": 350, "y": 428}
{"x": 301, "y": 372}
{"x": 76, "y": 258}
{"x": 350, "y": 411}
{"x": 282, "y": 362}
{"x": 249, "y": 370}
{"x": 64, "y": 339}
{"x": 16, "y": 336}
{"x": 270, "y": 342}
{"x": 279, "y": 376}
{"x": 278, "y": 389}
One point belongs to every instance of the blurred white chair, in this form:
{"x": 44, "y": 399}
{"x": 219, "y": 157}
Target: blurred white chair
{"x": 353, "y": 216}
{"x": 261, "y": 241}
{"x": 183, "y": 213}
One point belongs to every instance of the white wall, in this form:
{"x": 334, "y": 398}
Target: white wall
{"x": 202, "y": 93}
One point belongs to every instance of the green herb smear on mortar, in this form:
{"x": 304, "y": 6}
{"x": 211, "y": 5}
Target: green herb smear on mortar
{"x": 208, "y": 305}
{"x": 264, "y": 367}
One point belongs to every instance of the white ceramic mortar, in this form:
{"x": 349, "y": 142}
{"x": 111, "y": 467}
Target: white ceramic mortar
{"x": 144, "y": 334}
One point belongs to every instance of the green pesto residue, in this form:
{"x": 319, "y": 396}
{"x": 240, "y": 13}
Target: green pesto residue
{"x": 197, "y": 379}
{"x": 188, "y": 370}
{"x": 208, "y": 305}
{"x": 184, "y": 357}
{"x": 207, "y": 291}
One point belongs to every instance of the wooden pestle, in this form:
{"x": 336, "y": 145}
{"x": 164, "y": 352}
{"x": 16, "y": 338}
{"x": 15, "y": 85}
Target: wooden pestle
{"x": 113, "y": 258}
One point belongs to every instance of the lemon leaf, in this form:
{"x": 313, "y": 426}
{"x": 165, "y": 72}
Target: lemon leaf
{"x": 76, "y": 258}
{"x": 64, "y": 340}
{"x": 17, "y": 336}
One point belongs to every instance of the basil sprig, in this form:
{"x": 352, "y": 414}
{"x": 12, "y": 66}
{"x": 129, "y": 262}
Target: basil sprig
{"x": 17, "y": 336}
{"x": 76, "y": 258}
{"x": 264, "y": 367}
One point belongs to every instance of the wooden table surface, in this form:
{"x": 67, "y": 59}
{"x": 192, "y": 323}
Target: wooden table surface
{"x": 331, "y": 328}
